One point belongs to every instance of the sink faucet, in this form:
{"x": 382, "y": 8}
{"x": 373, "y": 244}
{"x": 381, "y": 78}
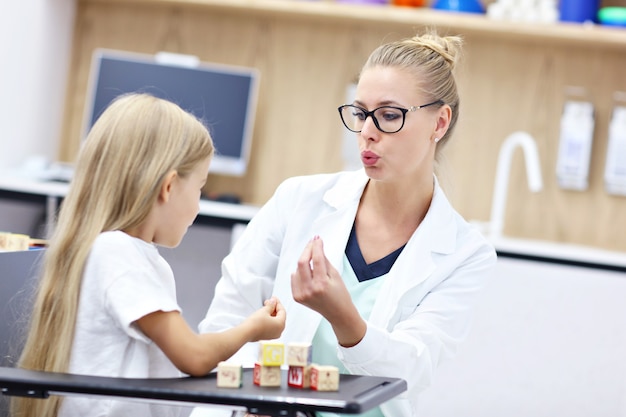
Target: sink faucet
{"x": 533, "y": 172}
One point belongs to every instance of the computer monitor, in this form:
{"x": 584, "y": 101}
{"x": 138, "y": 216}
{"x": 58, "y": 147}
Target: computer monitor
{"x": 222, "y": 96}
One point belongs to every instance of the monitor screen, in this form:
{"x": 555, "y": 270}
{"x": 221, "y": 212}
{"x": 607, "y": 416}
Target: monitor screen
{"x": 222, "y": 96}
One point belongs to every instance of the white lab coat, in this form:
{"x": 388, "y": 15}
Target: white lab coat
{"x": 424, "y": 307}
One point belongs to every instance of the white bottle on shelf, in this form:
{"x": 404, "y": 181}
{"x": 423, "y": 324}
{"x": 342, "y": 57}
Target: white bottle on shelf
{"x": 615, "y": 169}
{"x": 577, "y": 124}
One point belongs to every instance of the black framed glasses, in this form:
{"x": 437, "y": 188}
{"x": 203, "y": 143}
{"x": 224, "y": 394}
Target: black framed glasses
{"x": 387, "y": 119}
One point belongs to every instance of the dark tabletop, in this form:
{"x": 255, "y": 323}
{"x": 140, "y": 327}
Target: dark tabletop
{"x": 356, "y": 393}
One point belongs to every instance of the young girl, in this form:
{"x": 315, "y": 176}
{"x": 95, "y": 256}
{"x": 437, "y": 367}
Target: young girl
{"x": 106, "y": 304}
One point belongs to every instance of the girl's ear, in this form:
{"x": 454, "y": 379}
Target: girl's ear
{"x": 166, "y": 186}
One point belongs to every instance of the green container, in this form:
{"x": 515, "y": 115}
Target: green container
{"x": 612, "y": 16}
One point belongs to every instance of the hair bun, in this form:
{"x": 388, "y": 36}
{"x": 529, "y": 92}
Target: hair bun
{"x": 449, "y": 47}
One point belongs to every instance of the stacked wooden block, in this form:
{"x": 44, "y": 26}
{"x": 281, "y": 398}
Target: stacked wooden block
{"x": 302, "y": 373}
{"x": 299, "y": 360}
{"x": 305, "y": 374}
{"x": 267, "y": 368}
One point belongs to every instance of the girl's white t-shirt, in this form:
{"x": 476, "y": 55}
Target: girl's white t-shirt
{"x": 125, "y": 278}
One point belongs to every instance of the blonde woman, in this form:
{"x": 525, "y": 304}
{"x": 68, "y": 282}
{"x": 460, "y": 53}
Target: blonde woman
{"x": 106, "y": 304}
{"x": 375, "y": 267}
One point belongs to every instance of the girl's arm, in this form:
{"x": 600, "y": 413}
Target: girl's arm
{"x": 197, "y": 354}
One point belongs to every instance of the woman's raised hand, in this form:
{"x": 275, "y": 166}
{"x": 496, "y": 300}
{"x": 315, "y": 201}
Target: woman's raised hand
{"x": 319, "y": 286}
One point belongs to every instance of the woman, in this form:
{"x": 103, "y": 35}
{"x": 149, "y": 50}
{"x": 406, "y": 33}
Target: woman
{"x": 389, "y": 272}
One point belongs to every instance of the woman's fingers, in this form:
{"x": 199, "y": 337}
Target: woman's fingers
{"x": 304, "y": 262}
{"x": 318, "y": 259}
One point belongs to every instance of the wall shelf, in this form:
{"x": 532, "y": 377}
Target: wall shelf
{"x": 511, "y": 77}
{"x": 580, "y": 35}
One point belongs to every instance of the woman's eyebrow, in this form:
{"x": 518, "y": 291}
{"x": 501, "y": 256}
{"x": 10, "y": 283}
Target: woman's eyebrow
{"x": 380, "y": 104}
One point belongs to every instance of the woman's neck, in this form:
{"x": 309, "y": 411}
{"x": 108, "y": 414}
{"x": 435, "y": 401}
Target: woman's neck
{"x": 400, "y": 201}
{"x": 388, "y": 216}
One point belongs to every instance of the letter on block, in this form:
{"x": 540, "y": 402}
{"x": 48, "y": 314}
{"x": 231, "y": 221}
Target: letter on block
{"x": 324, "y": 378}
{"x": 299, "y": 354}
{"x": 271, "y": 353}
{"x": 266, "y": 376}
{"x": 299, "y": 376}
{"x": 229, "y": 375}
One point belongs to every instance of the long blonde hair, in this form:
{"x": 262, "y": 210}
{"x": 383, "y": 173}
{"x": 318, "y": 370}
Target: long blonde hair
{"x": 134, "y": 144}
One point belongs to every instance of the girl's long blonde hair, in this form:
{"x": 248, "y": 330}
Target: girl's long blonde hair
{"x": 135, "y": 143}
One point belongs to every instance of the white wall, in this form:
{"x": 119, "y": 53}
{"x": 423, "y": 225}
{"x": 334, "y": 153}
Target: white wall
{"x": 35, "y": 49}
{"x": 548, "y": 340}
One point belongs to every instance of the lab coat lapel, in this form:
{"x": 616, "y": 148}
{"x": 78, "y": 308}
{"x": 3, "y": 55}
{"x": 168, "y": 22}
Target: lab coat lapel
{"x": 334, "y": 230}
{"x": 436, "y": 234}
{"x": 413, "y": 267}
{"x": 333, "y": 227}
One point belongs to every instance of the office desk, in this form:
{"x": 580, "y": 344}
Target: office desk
{"x": 356, "y": 393}
{"x": 51, "y": 193}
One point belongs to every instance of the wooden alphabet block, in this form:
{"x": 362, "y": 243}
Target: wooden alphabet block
{"x": 299, "y": 354}
{"x": 324, "y": 378}
{"x": 229, "y": 375}
{"x": 266, "y": 376}
{"x": 271, "y": 353}
{"x": 299, "y": 376}
{"x": 4, "y": 240}
{"x": 14, "y": 242}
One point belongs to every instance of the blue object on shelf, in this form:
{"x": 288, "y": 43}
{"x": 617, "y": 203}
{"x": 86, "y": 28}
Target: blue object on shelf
{"x": 467, "y": 6}
{"x": 578, "y": 10}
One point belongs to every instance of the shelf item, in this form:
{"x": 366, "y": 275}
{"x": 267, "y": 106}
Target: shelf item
{"x": 578, "y": 10}
{"x": 612, "y": 16}
{"x": 575, "y": 143}
{"x": 465, "y": 6}
{"x": 615, "y": 168}
{"x": 409, "y": 3}
{"x": 538, "y": 11}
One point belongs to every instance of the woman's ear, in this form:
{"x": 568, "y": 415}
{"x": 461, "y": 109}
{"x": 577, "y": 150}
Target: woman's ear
{"x": 166, "y": 186}
{"x": 444, "y": 115}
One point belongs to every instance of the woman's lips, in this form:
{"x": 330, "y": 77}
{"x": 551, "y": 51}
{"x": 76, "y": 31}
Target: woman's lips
{"x": 369, "y": 158}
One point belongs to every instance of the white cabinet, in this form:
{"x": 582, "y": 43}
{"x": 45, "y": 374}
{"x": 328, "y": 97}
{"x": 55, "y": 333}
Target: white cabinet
{"x": 547, "y": 340}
